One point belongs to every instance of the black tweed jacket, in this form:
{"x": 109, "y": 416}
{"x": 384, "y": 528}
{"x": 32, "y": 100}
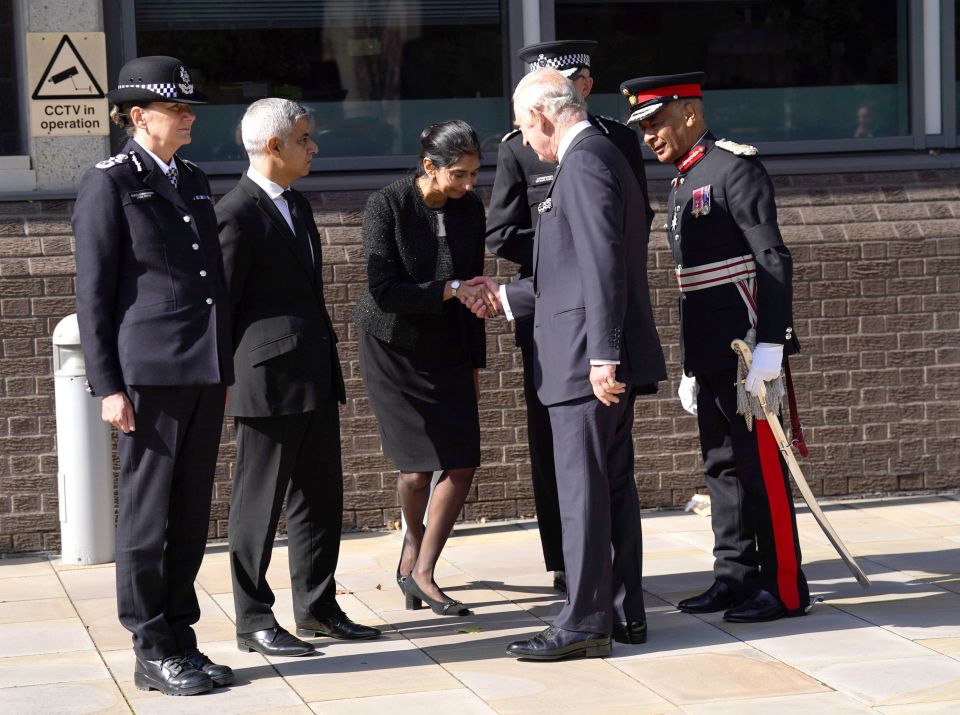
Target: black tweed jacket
{"x": 400, "y": 245}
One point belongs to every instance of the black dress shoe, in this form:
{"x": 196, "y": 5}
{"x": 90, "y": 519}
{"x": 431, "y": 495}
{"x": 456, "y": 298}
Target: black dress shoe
{"x": 337, "y": 625}
{"x": 274, "y": 641}
{"x": 220, "y": 674}
{"x": 632, "y": 632}
{"x": 718, "y": 597}
{"x": 761, "y": 606}
{"x": 560, "y": 581}
{"x": 556, "y": 643}
{"x": 171, "y": 676}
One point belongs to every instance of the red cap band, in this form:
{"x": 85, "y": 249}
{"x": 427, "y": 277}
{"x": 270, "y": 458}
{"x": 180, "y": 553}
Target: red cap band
{"x": 681, "y": 90}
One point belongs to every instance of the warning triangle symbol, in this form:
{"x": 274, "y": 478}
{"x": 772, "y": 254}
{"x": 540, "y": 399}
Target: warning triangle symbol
{"x": 67, "y": 76}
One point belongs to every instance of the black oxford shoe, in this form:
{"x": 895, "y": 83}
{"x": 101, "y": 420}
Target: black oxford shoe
{"x": 274, "y": 641}
{"x": 339, "y": 626}
{"x": 761, "y": 606}
{"x": 171, "y": 676}
{"x": 718, "y": 597}
{"x": 220, "y": 674}
{"x": 560, "y": 581}
{"x": 556, "y": 643}
{"x": 631, "y": 632}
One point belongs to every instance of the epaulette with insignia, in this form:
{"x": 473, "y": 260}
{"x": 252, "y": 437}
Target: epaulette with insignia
{"x": 112, "y": 161}
{"x": 735, "y": 148}
{"x": 136, "y": 161}
{"x": 509, "y": 135}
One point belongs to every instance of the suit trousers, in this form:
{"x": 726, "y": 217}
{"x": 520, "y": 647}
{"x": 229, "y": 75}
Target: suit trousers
{"x": 599, "y": 508}
{"x": 297, "y": 457}
{"x": 543, "y": 471}
{"x": 754, "y": 523}
{"x": 164, "y": 492}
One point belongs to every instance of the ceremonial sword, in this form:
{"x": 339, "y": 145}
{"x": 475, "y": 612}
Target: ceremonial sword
{"x": 744, "y": 354}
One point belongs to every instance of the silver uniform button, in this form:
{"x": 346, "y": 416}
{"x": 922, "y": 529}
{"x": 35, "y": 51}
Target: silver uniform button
{"x": 209, "y": 301}
{"x": 195, "y": 247}
{"x": 186, "y": 219}
{"x": 203, "y": 274}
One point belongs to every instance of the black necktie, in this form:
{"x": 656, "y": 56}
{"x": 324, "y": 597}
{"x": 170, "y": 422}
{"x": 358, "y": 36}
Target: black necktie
{"x": 299, "y": 226}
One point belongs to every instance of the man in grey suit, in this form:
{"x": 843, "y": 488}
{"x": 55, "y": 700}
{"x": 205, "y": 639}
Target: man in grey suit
{"x": 595, "y": 348}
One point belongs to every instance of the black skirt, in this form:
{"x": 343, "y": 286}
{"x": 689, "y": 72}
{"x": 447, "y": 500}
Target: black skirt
{"x": 426, "y": 407}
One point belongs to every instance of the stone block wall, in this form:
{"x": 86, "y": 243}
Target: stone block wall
{"x": 877, "y": 310}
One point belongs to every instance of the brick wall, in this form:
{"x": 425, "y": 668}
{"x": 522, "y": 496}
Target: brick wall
{"x": 877, "y": 304}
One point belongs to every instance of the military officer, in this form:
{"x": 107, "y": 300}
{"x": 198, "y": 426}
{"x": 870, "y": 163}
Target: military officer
{"x": 735, "y": 277}
{"x": 521, "y": 183}
{"x": 154, "y": 324}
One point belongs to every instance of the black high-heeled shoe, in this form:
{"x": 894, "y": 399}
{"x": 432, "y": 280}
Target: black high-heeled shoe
{"x": 415, "y": 598}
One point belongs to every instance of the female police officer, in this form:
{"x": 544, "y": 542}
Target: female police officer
{"x": 153, "y": 313}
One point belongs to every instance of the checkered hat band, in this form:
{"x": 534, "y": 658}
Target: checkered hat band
{"x": 562, "y": 62}
{"x": 166, "y": 89}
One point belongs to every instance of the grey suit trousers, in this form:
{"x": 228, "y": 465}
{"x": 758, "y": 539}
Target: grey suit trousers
{"x": 600, "y": 513}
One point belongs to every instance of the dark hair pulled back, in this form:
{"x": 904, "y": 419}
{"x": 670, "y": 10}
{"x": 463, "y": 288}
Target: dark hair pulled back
{"x": 444, "y": 143}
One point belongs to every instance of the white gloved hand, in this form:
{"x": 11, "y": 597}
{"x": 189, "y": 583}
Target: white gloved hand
{"x": 688, "y": 393}
{"x": 767, "y": 363}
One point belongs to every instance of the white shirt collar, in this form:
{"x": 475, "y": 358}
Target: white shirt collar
{"x": 567, "y": 139}
{"x": 161, "y": 164}
{"x": 272, "y": 188}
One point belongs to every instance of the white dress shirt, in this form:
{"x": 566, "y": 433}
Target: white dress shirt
{"x": 275, "y": 192}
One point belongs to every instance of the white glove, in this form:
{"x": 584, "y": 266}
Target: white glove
{"x": 688, "y": 393}
{"x": 767, "y": 362}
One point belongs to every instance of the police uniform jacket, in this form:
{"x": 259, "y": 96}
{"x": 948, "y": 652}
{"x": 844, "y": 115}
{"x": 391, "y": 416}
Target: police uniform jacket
{"x": 285, "y": 356}
{"x": 151, "y": 299}
{"x": 522, "y": 182}
{"x": 742, "y": 220}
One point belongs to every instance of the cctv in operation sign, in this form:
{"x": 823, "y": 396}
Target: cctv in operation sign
{"x": 67, "y": 81}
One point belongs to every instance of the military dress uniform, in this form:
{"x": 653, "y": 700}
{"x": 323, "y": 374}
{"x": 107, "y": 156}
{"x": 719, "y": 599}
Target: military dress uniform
{"x": 153, "y": 314}
{"x": 721, "y": 216}
{"x": 522, "y": 181}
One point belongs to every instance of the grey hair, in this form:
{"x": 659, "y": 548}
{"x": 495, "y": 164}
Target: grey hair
{"x": 270, "y": 117}
{"x": 549, "y": 92}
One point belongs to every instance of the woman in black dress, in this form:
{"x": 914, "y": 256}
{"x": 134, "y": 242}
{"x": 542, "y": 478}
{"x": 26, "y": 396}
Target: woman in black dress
{"x": 420, "y": 349}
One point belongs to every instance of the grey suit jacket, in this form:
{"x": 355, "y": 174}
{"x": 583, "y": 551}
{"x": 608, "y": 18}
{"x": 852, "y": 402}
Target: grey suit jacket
{"x": 589, "y": 294}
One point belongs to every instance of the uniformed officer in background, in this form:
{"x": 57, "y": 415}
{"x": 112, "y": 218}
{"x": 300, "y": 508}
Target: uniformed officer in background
{"x": 735, "y": 277}
{"x": 521, "y": 183}
{"x": 153, "y": 312}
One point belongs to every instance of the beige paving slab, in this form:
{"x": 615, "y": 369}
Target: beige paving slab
{"x": 462, "y": 702}
{"x": 895, "y": 681}
{"x": 41, "y": 609}
{"x": 266, "y": 696}
{"x": 934, "y": 614}
{"x": 49, "y": 668}
{"x": 386, "y": 666}
{"x": 96, "y": 696}
{"x": 89, "y": 581}
{"x": 703, "y": 677}
{"x": 941, "y": 708}
{"x": 57, "y": 636}
{"x": 947, "y": 646}
{"x": 573, "y": 686}
{"x": 30, "y": 588}
{"x": 23, "y": 566}
{"x": 826, "y": 703}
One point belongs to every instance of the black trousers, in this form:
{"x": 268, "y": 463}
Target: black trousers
{"x": 164, "y": 489}
{"x": 297, "y": 457}
{"x": 600, "y": 509}
{"x": 756, "y": 544}
{"x": 543, "y": 471}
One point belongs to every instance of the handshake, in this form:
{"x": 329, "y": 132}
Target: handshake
{"x": 481, "y": 295}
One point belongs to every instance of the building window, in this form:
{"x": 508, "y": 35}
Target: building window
{"x": 783, "y": 71}
{"x": 10, "y": 140}
{"x": 375, "y": 72}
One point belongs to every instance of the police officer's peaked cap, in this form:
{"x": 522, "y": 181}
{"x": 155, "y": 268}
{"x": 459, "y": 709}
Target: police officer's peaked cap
{"x": 565, "y": 56}
{"x": 155, "y": 79}
{"x": 648, "y": 95}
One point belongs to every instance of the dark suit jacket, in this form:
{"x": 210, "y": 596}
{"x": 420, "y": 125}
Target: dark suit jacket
{"x": 400, "y": 245}
{"x": 151, "y": 299}
{"x": 285, "y": 354}
{"x": 589, "y": 294}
